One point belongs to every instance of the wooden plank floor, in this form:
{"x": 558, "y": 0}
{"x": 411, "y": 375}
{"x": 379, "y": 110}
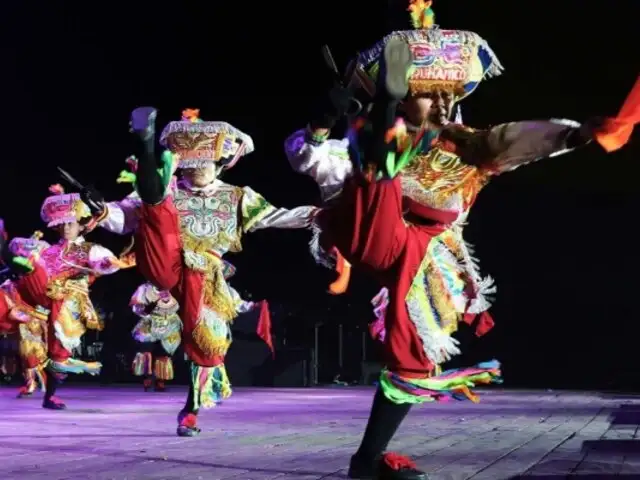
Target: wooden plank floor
{"x": 304, "y": 434}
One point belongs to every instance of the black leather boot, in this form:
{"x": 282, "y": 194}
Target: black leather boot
{"x": 370, "y": 462}
{"x": 51, "y": 402}
{"x": 188, "y": 416}
{"x": 392, "y": 87}
{"x": 148, "y": 181}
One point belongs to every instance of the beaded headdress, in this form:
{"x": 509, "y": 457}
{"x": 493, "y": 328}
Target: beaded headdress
{"x": 63, "y": 207}
{"x": 198, "y": 144}
{"x": 455, "y": 61}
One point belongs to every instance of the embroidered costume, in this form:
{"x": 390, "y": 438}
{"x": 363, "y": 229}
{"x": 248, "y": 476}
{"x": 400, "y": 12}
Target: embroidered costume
{"x": 8, "y": 329}
{"x": 158, "y": 333}
{"x": 159, "y": 330}
{"x": 397, "y": 198}
{"x": 182, "y": 233}
{"x": 54, "y": 292}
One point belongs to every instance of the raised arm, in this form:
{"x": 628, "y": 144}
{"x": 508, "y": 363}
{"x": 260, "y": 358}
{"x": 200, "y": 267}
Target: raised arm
{"x": 508, "y": 146}
{"x": 311, "y": 152}
{"x": 256, "y": 213}
{"x": 122, "y": 216}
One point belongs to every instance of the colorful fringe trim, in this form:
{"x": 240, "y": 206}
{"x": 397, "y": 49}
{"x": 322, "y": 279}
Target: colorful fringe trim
{"x": 142, "y": 364}
{"x": 163, "y": 369}
{"x": 72, "y": 365}
{"x": 449, "y": 385}
{"x": 210, "y": 386}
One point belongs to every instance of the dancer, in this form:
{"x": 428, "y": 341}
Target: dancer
{"x": 8, "y": 333}
{"x": 159, "y": 330}
{"x": 157, "y": 334}
{"x": 55, "y": 283}
{"x": 182, "y": 232}
{"x": 408, "y": 188}
{"x": 24, "y": 330}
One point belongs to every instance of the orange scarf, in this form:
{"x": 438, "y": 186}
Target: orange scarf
{"x": 616, "y": 132}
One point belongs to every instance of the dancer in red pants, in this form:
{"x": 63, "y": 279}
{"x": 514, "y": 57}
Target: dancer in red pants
{"x": 182, "y": 233}
{"x": 396, "y": 192}
{"x": 55, "y": 285}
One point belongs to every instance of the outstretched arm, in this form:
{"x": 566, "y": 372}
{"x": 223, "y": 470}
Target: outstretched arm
{"x": 257, "y": 213}
{"x": 312, "y": 153}
{"x": 121, "y": 217}
{"x": 508, "y": 146}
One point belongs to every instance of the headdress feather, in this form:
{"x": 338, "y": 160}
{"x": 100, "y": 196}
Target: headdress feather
{"x": 191, "y": 115}
{"x": 56, "y": 189}
{"x": 422, "y": 15}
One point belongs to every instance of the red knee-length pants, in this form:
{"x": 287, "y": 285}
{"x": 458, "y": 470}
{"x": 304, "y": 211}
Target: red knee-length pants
{"x": 368, "y": 228}
{"x": 32, "y": 289}
{"x": 159, "y": 258}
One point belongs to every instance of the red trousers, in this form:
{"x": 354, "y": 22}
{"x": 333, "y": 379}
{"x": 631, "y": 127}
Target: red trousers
{"x": 33, "y": 291}
{"x": 159, "y": 258}
{"x": 368, "y": 228}
{"x": 6, "y": 325}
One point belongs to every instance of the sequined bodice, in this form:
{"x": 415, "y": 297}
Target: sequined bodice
{"x": 210, "y": 220}
{"x": 68, "y": 260}
{"x": 441, "y": 180}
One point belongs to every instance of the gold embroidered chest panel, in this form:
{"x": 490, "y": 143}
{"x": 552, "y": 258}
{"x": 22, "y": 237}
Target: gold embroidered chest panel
{"x": 210, "y": 221}
{"x": 439, "y": 179}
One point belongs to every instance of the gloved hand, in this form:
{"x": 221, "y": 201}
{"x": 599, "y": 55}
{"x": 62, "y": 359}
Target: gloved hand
{"x": 334, "y": 105}
{"x": 586, "y": 132}
{"x": 94, "y": 199}
{"x": 22, "y": 265}
{"x": 143, "y": 122}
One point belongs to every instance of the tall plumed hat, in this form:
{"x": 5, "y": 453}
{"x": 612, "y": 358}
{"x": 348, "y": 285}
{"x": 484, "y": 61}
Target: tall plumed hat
{"x": 455, "y": 61}
{"x": 63, "y": 207}
{"x": 197, "y": 144}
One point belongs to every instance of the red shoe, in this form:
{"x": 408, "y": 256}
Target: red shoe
{"x": 53, "y": 403}
{"x": 146, "y": 383}
{"x": 187, "y": 425}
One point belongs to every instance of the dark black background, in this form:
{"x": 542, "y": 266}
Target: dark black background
{"x": 558, "y": 236}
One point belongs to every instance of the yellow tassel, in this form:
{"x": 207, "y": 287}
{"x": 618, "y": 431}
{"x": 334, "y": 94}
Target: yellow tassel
{"x": 207, "y": 342}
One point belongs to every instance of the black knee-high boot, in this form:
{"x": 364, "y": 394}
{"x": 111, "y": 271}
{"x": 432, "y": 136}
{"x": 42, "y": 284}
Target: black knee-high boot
{"x": 148, "y": 181}
{"x": 187, "y": 418}
{"x": 52, "y": 383}
{"x": 392, "y": 87}
{"x": 384, "y": 421}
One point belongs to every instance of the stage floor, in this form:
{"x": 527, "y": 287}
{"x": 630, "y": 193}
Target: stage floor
{"x": 295, "y": 434}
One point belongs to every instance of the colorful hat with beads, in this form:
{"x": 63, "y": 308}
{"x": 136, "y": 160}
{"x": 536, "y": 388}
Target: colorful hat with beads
{"x": 63, "y": 207}
{"x": 198, "y": 144}
{"x": 454, "y": 61}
